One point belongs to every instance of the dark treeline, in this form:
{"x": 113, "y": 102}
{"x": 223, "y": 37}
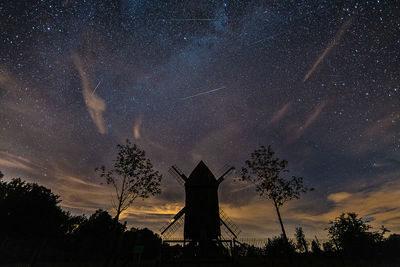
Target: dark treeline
{"x": 35, "y": 230}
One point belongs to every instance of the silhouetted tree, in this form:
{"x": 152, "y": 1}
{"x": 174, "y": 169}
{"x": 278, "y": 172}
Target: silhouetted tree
{"x": 1, "y": 175}
{"x": 266, "y": 172}
{"x": 132, "y": 176}
{"x": 351, "y": 235}
{"x": 145, "y": 238}
{"x": 279, "y": 247}
{"x": 95, "y": 235}
{"x": 301, "y": 242}
{"x": 32, "y": 224}
{"x": 328, "y": 247}
{"x": 95, "y": 239}
{"x": 391, "y": 246}
{"x": 247, "y": 250}
{"x": 29, "y": 210}
{"x": 316, "y": 246}
{"x": 98, "y": 225}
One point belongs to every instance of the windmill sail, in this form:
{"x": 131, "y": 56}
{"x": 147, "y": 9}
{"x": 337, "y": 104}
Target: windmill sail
{"x": 224, "y": 171}
{"x": 179, "y": 176}
{"x": 231, "y": 229}
{"x": 171, "y": 227}
{"x": 174, "y": 227}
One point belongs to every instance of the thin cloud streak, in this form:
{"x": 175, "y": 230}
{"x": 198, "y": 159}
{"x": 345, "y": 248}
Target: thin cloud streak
{"x": 137, "y": 128}
{"x": 313, "y": 116}
{"x": 295, "y": 133}
{"x": 8, "y": 160}
{"x": 15, "y": 163}
{"x": 334, "y": 42}
{"x": 379, "y": 132}
{"x": 280, "y": 113}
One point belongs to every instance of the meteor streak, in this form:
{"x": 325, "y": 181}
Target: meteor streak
{"x": 194, "y": 19}
{"x": 96, "y": 88}
{"x": 203, "y": 93}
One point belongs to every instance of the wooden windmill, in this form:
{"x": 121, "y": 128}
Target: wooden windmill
{"x": 203, "y": 217}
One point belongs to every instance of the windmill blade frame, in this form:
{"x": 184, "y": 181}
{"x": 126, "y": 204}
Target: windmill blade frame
{"x": 179, "y": 176}
{"x": 224, "y": 171}
{"x": 169, "y": 229}
{"x": 233, "y": 229}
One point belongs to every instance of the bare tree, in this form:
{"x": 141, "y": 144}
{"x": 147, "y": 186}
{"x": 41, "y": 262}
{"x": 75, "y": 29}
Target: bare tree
{"x": 266, "y": 172}
{"x": 132, "y": 176}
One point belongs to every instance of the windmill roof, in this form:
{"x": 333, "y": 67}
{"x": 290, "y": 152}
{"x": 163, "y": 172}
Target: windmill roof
{"x": 201, "y": 176}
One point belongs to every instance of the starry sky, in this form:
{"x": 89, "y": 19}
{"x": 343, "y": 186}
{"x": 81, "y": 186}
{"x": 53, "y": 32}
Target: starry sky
{"x": 206, "y": 80}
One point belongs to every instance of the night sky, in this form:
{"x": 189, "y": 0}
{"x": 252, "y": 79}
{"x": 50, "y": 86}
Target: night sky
{"x": 210, "y": 80}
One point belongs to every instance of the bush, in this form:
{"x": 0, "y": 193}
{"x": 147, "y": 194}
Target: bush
{"x": 246, "y": 250}
{"x": 28, "y": 210}
{"x": 349, "y": 235}
{"x": 278, "y": 247}
{"x": 391, "y": 246}
{"x": 316, "y": 246}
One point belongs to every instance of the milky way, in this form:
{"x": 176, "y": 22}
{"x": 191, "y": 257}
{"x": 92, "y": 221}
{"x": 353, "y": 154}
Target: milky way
{"x": 317, "y": 80}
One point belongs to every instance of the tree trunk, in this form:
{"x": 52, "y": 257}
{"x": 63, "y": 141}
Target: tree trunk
{"x": 118, "y": 212}
{"x": 120, "y": 198}
{"x": 118, "y": 209}
{"x": 305, "y": 245}
{"x": 280, "y": 221}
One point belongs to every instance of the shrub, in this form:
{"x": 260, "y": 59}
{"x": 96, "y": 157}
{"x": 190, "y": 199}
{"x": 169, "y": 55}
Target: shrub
{"x": 279, "y": 247}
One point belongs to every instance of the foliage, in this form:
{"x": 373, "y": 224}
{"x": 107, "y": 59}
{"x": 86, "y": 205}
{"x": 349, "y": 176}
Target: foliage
{"x": 99, "y": 224}
{"x": 279, "y": 247}
{"x": 391, "y": 245}
{"x": 350, "y": 235}
{"x": 267, "y": 173}
{"x": 328, "y": 247}
{"x": 247, "y": 250}
{"x": 135, "y": 237}
{"x": 316, "y": 246}
{"x": 30, "y": 210}
{"x": 132, "y": 176}
{"x": 95, "y": 235}
{"x": 301, "y": 242}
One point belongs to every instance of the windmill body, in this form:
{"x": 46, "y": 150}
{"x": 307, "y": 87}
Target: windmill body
{"x": 202, "y": 221}
{"x": 201, "y": 215}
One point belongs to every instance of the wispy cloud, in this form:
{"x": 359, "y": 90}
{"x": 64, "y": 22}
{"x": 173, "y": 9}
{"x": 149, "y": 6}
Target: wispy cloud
{"x": 79, "y": 193}
{"x": 14, "y": 163}
{"x": 280, "y": 113}
{"x": 295, "y": 131}
{"x": 338, "y": 197}
{"x": 8, "y": 160}
{"x": 313, "y": 116}
{"x": 95, "y": 104}
{"x": 381, "y": 131}
{"x": 7, "y": 81}
{"x": 379, "y": 204}
{"x": 137, "y": 127}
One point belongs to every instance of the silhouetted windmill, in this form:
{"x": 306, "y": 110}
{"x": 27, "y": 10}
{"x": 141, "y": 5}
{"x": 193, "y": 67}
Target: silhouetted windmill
{"x": 203, "y": 217}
